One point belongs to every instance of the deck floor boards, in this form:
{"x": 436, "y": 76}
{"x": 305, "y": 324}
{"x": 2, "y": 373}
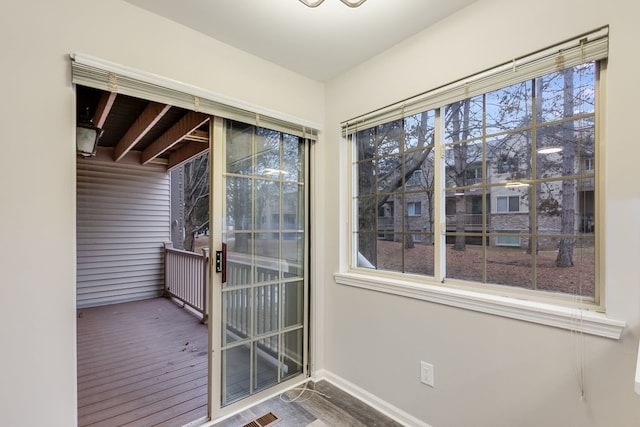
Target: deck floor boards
{"x": 140, "y": 364}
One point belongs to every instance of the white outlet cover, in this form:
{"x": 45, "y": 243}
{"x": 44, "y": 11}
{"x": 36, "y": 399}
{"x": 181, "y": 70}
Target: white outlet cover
{"x": 427, "y": 374}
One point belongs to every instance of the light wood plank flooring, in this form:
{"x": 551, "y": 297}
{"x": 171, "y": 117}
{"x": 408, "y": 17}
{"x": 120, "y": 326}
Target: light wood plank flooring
{"x": 140, "y": 364}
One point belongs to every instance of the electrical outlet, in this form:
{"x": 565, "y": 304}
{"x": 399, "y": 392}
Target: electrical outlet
{"x": 427, "y": 374}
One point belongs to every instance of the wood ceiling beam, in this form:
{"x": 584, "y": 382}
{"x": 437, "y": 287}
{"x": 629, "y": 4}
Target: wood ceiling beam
{"x": 143, "y": 124}
{"x": 186, "y": 152}
{"x": 198, "y": 136}
{"x": 104, "y": 107}
{"x": 190, "y": 122}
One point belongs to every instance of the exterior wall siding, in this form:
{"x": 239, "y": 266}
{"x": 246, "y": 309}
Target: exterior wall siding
{"x": 122, "y": 223}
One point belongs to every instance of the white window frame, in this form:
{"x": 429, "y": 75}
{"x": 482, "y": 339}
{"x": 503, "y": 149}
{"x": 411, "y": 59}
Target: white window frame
{"x": 567, "y": 313}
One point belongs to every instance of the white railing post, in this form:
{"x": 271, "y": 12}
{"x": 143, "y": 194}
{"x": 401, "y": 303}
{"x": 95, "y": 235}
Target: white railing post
{"x": 205, "y": 284}
{"x": 167, "y": 246}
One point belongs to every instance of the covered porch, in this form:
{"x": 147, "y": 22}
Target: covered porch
{"x": 141, "y": 363}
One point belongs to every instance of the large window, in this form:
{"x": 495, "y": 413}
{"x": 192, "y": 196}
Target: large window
{"x": 521, "y": 157}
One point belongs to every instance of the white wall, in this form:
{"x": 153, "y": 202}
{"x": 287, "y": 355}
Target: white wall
{"x": 37, "y": 176}
{"x": 493, "y": 371}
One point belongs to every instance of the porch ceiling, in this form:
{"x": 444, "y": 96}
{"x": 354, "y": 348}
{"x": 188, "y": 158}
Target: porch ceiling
{"x": 158, "y": 133}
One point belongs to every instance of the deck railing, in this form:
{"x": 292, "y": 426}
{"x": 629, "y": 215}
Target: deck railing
{"x": 236, "y": 304}
{"x": 470, "y": 221}
{"x": 187, "y": 278}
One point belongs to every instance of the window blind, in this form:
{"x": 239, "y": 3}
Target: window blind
{"x": 585, "y": 48}
{"x": 104, "y": 75}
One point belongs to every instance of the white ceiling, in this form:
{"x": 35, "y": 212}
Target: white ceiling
{"x": 320, "y": 42}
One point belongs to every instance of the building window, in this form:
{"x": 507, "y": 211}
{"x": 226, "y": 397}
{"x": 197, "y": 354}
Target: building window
{"x": 588, "y": 164}
{"x": 508, "y": 203}
{"x": 528, "y": 147}
{"x": 414, "y": 209}
{"x": 507, "y": 241}
{"x": 416, "y": 179}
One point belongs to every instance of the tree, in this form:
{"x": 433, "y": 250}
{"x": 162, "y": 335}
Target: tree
{"x": 382, "y": 170}
{"x": 196, "y": 199}
{"x": 567, "y": 227}
{"x": 459, "y": 124}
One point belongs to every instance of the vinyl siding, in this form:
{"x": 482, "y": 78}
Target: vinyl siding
{"x": 122, "y": 223}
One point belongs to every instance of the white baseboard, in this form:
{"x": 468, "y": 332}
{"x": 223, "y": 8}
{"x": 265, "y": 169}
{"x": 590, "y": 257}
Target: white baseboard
{"x": 375, "y": 402}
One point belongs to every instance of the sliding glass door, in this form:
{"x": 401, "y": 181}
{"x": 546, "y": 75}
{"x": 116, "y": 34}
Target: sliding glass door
{"x": 262, "y": 294}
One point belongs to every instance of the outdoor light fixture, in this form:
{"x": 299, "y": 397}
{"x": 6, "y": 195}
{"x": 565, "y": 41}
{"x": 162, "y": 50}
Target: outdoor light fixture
{"x": 549, "y": 150}
{"x": 87, "y": 135}
{"x": 316, "y": 3}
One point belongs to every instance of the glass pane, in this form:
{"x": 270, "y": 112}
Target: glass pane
{"x": 463, "y": 120}
{"x": 293, "y": 254}
{"x": 508, "y": 263}
{"x": 292, "y": 304}
{"x": 265, "y": 235}
{"x": 235, "y": 373}
{"x": 239, "y": 203}
{"x": 566, "y": 93}
{"x": 367, "y": 255}
{"x": 267, "y": 260}
{"x": 366, "y": 174}
{"x": 389, "y": 137}
{"x": 567, "y": 207}
{"x": 390, "y": 213}
{"x": 511, "y": 210}
{"x": 267, "y": 312}
{"x": 268, "y": 246}
{"x": 239, "y": 258}
{"x": 367, "y": 212}
{"x": 236, "y": 309}
{"x": 463, "y": 164}
{"x": 419, "y": 214}
{"x": 268, "y": 153}
{"x": 509, "y": 158}
{"x": 419, "y": 170}
{"x": 389, "y": 174}
{"x": 418, "y": 253}
{"x": 464, "y": 211}
{"x": 293, "y": 161}
{"x": 239, "y": 148}
{"x": 465, "y": 257}
{"x": 265, "y": 352}
{"x": 419, "y": 130}
{"x": 365, "y": 144}
{"x": 390, "y": 252}
{"x": 568, "y": 268}
{"x": 292, "y": 207}
{"x": 562, "y": 148}
{"x": 509, "y": 108}
{"x": 292, "y": 353}
{"x": 267, "y": 205}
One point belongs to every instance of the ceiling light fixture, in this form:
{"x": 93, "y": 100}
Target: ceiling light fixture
{"x": 515, "y": 184}
{"x": 549, "y": 150}
{"x": 316, "y": 3}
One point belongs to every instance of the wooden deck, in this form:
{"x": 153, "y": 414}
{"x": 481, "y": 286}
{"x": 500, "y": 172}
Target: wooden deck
{"x": 141, "y": 364}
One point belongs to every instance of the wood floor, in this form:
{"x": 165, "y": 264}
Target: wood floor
{"x": 331, "y": 407}
{"x": 141, "y": 364}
